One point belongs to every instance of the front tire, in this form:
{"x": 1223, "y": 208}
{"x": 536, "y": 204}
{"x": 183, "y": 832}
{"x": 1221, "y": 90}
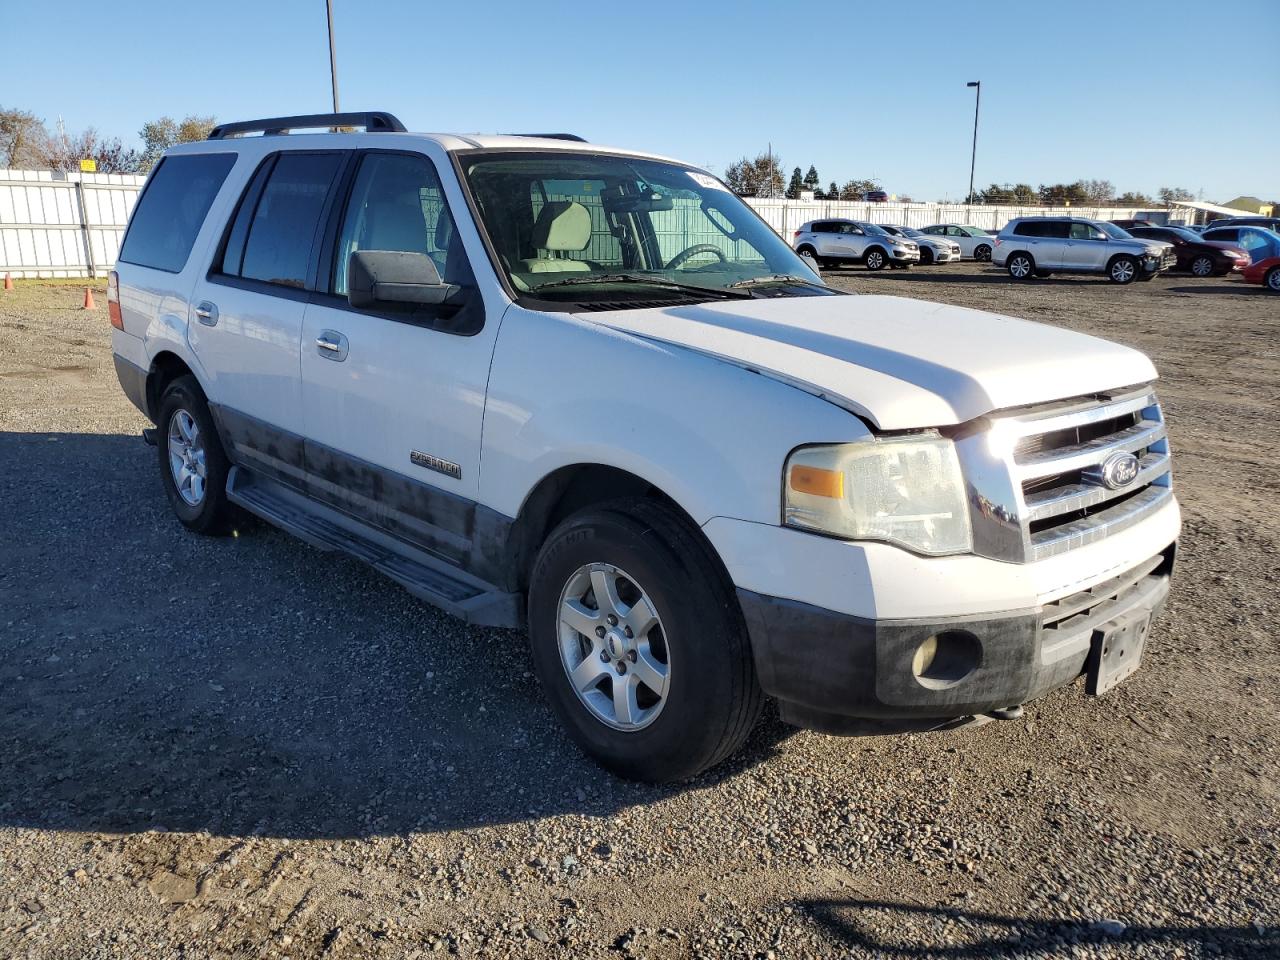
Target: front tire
{"x": 639, "y": 643}
{"x": 1122, "y": 270}
{"x": 1202, "y": 266}
{"x": 875, "y": 259}
{"x": 982, "y": 253}
{"x": 193, "y": 465}
{"x": 926, "y": 257}
{"x": 1020, "y": 265}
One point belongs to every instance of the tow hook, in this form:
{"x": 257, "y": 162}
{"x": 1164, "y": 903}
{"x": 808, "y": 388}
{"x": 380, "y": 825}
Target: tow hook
{"x": 1008, "y": 713}
{"x": 149, "y": 436}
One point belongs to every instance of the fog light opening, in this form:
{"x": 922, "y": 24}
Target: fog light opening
{"x": 946, "y": 658}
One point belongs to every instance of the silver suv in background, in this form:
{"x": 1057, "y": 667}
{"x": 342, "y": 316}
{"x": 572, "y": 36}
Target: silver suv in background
{"x": 832, "y": 242}
{"x": 1039, "y": 246}
{"x": 932, "y": 249}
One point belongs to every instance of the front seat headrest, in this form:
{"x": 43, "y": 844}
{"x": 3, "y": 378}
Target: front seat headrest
{"x": 562, "y": 225}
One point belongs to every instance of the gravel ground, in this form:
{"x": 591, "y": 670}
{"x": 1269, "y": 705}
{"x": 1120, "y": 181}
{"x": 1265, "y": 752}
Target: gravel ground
{"x": 244, "y": 747}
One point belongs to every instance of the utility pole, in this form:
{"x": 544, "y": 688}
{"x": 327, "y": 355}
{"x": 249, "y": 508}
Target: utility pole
{"x": 973, "y": 158}
{"x": 333, "y": 58}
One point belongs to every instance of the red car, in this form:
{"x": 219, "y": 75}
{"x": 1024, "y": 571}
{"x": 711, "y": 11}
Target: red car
{"x": 1265, "y": 272}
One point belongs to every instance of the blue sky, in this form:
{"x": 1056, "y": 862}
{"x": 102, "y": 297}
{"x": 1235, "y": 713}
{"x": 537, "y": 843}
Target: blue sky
{"x": 1137, "y": 93}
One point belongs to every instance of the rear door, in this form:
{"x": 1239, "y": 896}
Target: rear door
{"x": 246, "y": 322}
{"x": 824, "y": 238}
{"x": 393, "y": 398}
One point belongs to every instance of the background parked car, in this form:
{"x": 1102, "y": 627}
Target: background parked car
{"x": 1258, "y": 242}
{"x": 1130, "y": 224}
{"x": 932, "y": 249}
{"x": 1204, "y": 258}
{"x": 875, "y": 196}
{"x": 975, "y": 243}
{"x": 832, "y": 242}
{"x": 1269, "y": 223}
{"x": 1043, "y": 245}
{"x": 1265, "y": 272}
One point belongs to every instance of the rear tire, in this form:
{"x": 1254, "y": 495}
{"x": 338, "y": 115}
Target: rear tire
{"x": 875, "y": 259}
{"x": 1021, "y": 266}
{"x": 193, "y": 465}
{"x": 1122, "y": 270}
{"x": 1272, "y": 280}
{"x": 982, "y": 252}
{"x": 643, "y": 553}
{"x": 809, "y": 253}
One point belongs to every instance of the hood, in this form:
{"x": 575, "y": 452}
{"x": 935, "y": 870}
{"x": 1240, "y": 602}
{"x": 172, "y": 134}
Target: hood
{"x": 897, "y": 362}
{"x": 1158, "y": 247}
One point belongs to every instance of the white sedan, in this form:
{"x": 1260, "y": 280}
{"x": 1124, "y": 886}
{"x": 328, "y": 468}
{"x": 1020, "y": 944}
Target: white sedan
{"x": 975, "y": 243}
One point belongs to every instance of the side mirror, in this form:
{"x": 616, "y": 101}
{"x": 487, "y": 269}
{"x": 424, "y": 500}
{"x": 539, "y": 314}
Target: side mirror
{"x": 394, "y": 278}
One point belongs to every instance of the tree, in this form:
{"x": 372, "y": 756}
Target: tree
{"x": 811, "y": 181}
{"x": 761, "y": 177}
{"x": 1169, "y": 194}
{"x": 64, "y": 151}
{"x": 795, "y": 186}
{"x": 159, "y": 135}
{"x": 1024, "y": 193}
{"x": 22, "y": 139}
{"x": 1059, "y": 194}
{"x": 996, "y": 193}
{"x": 833, "y": 192}
{"x": 1131, "y": 199}
{"x": 1098, "y": 192}
{"x": 854, "y": 189}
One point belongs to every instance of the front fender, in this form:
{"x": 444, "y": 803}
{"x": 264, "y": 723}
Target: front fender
{"x": 714, "y": 437}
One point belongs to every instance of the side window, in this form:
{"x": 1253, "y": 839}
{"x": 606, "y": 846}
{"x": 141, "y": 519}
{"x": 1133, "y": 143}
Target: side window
{"x": 1083, "y": 231}
{"x": 397, "y": 204}
{"x": 172, "y": 210}
{"x": 1228, "y": 235}
{"x": 1029, "y": 228}
{"x": 824, "y": 226}
{"x": 1253, "y": 240}
{"x": 850, "y": 228}
{"x": 275, "y": 228}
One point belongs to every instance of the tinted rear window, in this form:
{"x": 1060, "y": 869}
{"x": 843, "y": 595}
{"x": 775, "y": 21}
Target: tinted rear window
{"x": 1042, "y": 228}
{"x": 172, "y": 209}
{"x": 278, "y": 247}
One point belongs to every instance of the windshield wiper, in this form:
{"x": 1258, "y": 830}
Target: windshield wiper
{"x": 722, "y": 292}
{"x": 778, "y": 278}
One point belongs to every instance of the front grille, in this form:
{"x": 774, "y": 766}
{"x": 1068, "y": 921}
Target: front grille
{"x": 1057, "y": 462}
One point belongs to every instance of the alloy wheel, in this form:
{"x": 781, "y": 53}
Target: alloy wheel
{"x": 1122, "y": 271}
{"x": 187, "y": 457}
{"x": 1019, "y": 267}
{"x": 613, "y": 648}
{"x": 1202, "y": 266}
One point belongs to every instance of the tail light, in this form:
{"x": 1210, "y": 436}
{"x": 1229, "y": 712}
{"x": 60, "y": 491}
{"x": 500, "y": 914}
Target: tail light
{"x": 113, "y": 300}
{"x": 795, "y": 235}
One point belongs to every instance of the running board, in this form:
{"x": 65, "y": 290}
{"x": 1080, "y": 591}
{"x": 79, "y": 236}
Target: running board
{"x": 426, "y": 576}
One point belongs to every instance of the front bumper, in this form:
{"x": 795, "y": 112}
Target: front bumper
{"x": 832, "y": 671}
{"x": 901, "y": 255}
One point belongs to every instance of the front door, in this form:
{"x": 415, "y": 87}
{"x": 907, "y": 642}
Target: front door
{"x": 1086, "y": 247}
{"x": 393, "y": 398}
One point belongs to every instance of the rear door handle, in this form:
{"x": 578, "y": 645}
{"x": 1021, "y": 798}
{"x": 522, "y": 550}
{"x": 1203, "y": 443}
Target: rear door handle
{"x": 207, "y": 313}
{"x": 332, "y": 345}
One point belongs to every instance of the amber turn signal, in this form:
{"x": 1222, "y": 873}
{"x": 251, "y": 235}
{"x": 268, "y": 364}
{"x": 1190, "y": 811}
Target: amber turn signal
{"x": 817, "y": 482}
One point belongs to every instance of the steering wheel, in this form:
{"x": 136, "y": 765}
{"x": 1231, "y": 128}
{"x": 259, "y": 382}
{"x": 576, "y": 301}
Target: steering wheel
{"x": 688, "y": 253}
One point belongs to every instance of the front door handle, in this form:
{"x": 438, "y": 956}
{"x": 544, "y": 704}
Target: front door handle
{"x": 207, "y": 313}
{"x": 332, "y": 345}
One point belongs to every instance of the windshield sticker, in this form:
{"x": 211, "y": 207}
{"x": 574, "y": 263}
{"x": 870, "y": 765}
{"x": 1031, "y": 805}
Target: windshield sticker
{"x": 704, "y": 180}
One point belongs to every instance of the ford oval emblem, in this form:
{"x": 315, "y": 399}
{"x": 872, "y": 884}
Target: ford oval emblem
{"x": 1119, "y": 470}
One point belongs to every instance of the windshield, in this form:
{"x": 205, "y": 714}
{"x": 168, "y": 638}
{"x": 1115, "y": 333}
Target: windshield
{"x": 577, "y": 226}
{"x": 1112, "y": 231}
{"x": 874, "y": 229}
{"x": 916, "y": 234}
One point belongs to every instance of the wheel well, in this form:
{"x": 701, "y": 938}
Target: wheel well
{"x": 165, "y": 368}
{"x": 1121, "y": 256}
{"x": 1023, "y": 253}
{"x": 806, "y": 247}
{"x": 563, "y": 493}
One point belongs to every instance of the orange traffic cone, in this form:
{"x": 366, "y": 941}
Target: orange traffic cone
{"x": 88, "y": 299}
{"x": 8, "y": 283}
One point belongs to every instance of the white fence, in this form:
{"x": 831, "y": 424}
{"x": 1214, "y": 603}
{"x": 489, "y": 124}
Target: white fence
{"x": 63, "y": 224}
{"x": 70, "y": 224}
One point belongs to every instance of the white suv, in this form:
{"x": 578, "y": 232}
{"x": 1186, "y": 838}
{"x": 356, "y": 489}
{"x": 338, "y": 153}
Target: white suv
{"x": 830, "y": 243}
{"x": 588, "y": 392}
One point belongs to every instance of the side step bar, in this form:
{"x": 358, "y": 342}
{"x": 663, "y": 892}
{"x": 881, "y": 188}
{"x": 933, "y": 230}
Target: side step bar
{"x": 426, "y": 576}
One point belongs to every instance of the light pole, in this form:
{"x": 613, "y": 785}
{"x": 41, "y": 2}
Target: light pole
{"x": 333, "y": 58}
{"x": 973, "y": 158}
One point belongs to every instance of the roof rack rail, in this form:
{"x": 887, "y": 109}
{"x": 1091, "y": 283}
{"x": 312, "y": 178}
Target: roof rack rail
{"x": 373, "y": 121}
{"x": 552, "y": 136}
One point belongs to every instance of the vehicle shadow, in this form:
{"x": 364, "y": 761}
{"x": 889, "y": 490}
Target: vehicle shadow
{"x": 876, "y": 928}
{"x": 151, "y": 678}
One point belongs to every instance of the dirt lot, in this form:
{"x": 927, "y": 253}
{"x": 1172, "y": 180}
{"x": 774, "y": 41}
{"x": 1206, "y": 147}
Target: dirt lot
{"x": 244, "y": 747}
